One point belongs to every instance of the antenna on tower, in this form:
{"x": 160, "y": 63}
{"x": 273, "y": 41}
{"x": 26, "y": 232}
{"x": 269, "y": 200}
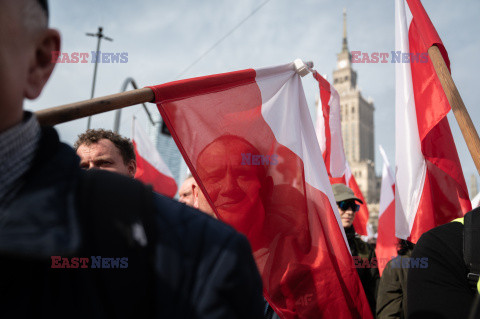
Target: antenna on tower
{"x": 344, "y": 42}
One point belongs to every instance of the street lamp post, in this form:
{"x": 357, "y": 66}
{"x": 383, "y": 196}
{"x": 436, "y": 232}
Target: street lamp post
{"x": 99, "y": 35}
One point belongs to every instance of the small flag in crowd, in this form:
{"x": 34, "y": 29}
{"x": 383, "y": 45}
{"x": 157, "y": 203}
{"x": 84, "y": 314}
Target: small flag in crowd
{"x": 329, "y": 135}
{"x": 430, "y": 187}
{"x": 151, "y": 169}
{"x": 476, "y": 201}
{"x": 386, "y": 241}
{"x": 249, "y": 140}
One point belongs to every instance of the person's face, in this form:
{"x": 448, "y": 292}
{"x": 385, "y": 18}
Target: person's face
{"x": 25, "y": 58}
{"x": 15, "y": 47}
{"x": 105, "y": 155}
{"x": 234, "y": 188}
{"x": 200, "y": 202}
{"x": 347, "y": 211}
{"x": 185, "y": 193}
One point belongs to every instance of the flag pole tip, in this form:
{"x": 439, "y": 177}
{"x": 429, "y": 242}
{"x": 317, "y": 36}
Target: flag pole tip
{"x": 302, "y": 68}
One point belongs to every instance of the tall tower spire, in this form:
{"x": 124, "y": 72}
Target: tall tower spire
{"x": 344, "y": 42}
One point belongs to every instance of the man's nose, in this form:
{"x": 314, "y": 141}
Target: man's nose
{"x": 92, "y": 165}
{"x": 230, "y": 184}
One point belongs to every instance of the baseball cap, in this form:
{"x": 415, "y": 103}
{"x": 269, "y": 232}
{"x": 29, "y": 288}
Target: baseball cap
{"x": 342, "y": 192}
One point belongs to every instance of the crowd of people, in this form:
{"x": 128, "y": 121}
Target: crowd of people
{"x": 182, "y": 263}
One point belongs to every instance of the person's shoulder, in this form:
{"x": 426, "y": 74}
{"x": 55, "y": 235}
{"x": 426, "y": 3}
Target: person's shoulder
{"x": 363, "y": 247}
{"x": 52, "y": 155}
{"x": 446, "y": 234}
{"x": 392, "y": 271}
{"x": 444, "y": 243}
{"x": 388, "y": 266}
{"x": 194, "y": 241}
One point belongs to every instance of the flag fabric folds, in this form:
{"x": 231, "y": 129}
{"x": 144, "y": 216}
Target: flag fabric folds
{"x": 328, "y": 128}
{"x": 386, "y": 241}
{"x": 249, "y": 141}
{"x": 151, "y": 169}
{"x": 430, "y": 187}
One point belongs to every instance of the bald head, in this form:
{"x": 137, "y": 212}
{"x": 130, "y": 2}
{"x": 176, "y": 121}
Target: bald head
{"x": 26, "y": 46}
{"x": 185, "y": 192}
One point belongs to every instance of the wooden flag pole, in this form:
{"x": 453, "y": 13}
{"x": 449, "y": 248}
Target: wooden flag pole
{"x": 463, "y": 118}
{"x": 77, "y": 110}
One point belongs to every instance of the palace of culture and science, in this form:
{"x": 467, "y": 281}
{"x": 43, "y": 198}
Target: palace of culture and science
{"x": 357, "y": 127}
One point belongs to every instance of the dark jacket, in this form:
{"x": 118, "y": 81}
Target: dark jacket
{"x": 392, "y": 290}
{"x": 364, "y": 259}
{"x": 440, "y": 290}
{"x": 188, "y": 265}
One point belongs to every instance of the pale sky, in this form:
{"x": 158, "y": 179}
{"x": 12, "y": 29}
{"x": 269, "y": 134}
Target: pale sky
{"x": 162, "y": 38}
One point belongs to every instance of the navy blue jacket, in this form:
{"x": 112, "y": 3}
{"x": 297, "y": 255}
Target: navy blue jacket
{"x": 177, "y": 262}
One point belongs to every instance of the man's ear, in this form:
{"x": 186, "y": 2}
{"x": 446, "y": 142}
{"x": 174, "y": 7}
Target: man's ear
{"x": 195, "y": 195}
{"x": 41, "y": 65}
{"x": 132, "y": 168}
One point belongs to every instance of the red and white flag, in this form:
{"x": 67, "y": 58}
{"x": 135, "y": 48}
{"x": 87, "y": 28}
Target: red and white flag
{"x": 386, "y": 241}
{"x": 249, "y": 140}
{"x": 151, "y": 169}
{"x": 329, "y": 135}
{"x": 430, "y": 187}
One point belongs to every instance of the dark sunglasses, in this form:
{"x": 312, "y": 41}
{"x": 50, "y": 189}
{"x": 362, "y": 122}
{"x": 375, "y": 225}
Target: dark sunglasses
{"x": 345, "y": 205}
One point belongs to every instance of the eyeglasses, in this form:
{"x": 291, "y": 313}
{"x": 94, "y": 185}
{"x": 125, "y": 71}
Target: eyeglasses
{"x": 345, "y": 205}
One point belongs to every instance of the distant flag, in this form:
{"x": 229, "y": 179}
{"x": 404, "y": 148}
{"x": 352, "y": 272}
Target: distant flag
{"x": 371, "y": 234}
{"x": 151, "y": 169}
{"x": 430, "y": 187}
{"x": 329, "y": 134}
{"x": 476, "y": 201}
{"x": 360, "y": 222}
{"x": 386, "y": 241}
{"x": 248, "y": 139}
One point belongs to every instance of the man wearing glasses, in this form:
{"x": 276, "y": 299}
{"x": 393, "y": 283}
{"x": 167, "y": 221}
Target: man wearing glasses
{"x": 363, "y": 253}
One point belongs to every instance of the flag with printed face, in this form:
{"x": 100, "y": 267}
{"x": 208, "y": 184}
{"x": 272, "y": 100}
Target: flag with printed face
{"x": 430, "y": 187}
{"x": 151, "y": 169}
{"x": 329, "y": 135}
{"x": 249, "y": 141}
{"x": 386, "y": 247}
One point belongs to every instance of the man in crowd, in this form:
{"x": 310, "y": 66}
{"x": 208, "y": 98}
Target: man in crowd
{"x": 185, "y": 192}
{"x": 179, "y": 264}
{"x": 106, "y": 150}
{"x": 448, "y": 286}
{"x": 363, "y": 254}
